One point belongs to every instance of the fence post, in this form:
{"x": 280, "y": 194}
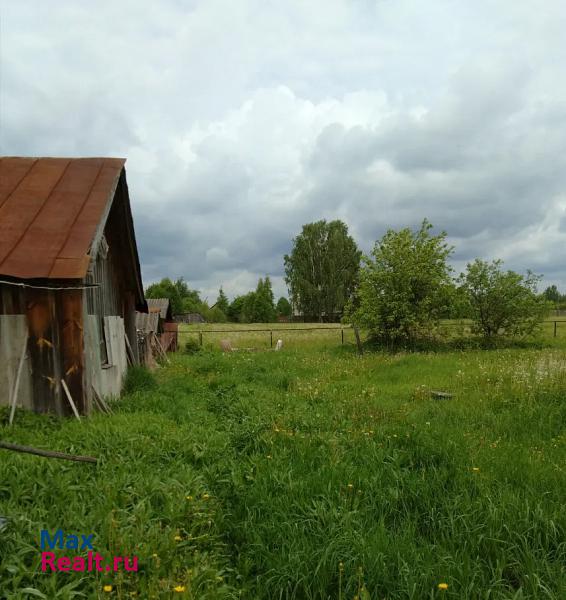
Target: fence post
{"x": 555, "y": 328}
{"x": 342, "y": 330}
{"x": 200, "y": 337}
{"x": 271, "y": 336}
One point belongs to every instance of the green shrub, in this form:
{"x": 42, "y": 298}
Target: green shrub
{"x": 192, "y": 346}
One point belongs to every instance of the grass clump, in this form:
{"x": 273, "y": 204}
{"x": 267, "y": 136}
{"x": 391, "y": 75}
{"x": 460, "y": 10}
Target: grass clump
{"x": 139, "y": 379}
{"x": 192, "y": 346}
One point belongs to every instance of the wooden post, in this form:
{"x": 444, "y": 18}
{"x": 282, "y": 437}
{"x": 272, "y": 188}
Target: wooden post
{"x": 554, "y": 328}
{"x": 71, "y": 345}
{"x": 271, "y": 338}
{"x": 342, "y": 331}
{"x": 101, "y": 401}
{"x": 200, "y": 337}
{"x": 358, "y": 341}
{"x": 14, "y": 398}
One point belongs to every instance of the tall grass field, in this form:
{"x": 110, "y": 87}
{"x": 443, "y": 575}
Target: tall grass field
{"x": 309, "y": 473}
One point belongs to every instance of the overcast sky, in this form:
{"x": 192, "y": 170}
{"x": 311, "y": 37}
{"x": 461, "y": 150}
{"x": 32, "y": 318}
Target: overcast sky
{"x": 241, "y": 121}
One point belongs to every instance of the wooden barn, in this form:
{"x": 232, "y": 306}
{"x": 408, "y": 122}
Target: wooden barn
{"x": 70, "y": 282}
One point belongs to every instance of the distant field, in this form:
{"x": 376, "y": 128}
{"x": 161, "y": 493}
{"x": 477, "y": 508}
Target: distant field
{"x": 262, "y": 334}
{"x": 319, "y": 334}
{"x": 306, "y": 474}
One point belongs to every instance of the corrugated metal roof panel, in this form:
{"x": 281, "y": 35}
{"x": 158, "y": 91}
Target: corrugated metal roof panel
{"x": 50, "y": 209}
{"x": 162, "y": 304}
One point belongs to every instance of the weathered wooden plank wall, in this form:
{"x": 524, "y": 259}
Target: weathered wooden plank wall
{"x": 107, "y": 379}
{"x": 13, "y": 333}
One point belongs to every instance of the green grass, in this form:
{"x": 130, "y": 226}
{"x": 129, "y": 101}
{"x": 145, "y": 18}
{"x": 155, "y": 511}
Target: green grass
{"x": 298, "y": 462}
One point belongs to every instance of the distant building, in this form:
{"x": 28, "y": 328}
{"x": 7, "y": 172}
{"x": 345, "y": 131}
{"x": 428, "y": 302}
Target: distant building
{"x": 70, "y": 282}
{"x": 158, "y": 321}
{"x": 189, "y": 318}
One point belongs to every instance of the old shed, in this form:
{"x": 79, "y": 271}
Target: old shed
{"x": 70, "y": 281}
{"x": 159, "y": 322}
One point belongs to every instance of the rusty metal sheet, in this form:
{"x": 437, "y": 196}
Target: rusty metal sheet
{"x": 50, "y": 209}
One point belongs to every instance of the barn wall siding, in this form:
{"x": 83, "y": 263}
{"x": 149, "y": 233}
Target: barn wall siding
{"x": 107, "y": 380}
{"x": 13, "y": 334}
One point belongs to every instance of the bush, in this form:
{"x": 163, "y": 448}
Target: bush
{"x": 405, "y": 286}
{"x": 139, "y": 379}
{"x": 503, "y": 303}
{"x": 192, "y": 346}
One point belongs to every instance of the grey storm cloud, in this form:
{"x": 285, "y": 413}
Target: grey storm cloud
{"x": 242, "y": 121}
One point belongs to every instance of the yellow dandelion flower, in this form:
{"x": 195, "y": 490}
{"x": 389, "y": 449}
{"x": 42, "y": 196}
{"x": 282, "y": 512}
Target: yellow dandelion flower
{"x": 179, "y": 588}
{"x": 189, "y": 498}
{"x": 178, "y": 538}
{"x": 107, "y": 588}
{"x": 269, "y": 456}
{"x": 442, "y": 586}
{"x": 475, "y": 469}
{"x": 206, "y": 496}
{"x": 350, "y": 485}
{"x": 154, "y": 555}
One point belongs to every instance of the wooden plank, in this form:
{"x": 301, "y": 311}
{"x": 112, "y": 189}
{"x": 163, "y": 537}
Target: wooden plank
{"x": 47, "y": 453}
{"x": 129, "y": 351}
{"x": 101, "y": 401}
{"x": 70, "y": 399}
{"x": 15, "y": 389}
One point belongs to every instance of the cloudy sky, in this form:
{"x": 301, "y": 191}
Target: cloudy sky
{"x": 242, "y": 120}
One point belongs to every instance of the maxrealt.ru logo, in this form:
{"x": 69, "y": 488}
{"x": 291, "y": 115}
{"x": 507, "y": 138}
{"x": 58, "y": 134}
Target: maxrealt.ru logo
{"x": 92, "y": 562}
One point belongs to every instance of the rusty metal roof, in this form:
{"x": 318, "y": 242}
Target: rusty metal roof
{"x": 50, "y": 209}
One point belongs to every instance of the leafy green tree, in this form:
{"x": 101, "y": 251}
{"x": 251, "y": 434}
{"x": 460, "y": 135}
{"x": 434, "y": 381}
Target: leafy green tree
{"x": 248, "y": 308}
{"x": 167, "y": 289}
{"x": 284, "y": 307}
{"x": 182, "y": 298}
{"x": 404, "y": 285}
{"x": 503, "y": 302}
{"x": 222, "y": 301}
{"x": 263, "y": 310}
{"x": 235, "y": 310}
{"x": 552, "y": 294}
{"x": 213, "y": 315}
{"x": 322, "y": 269}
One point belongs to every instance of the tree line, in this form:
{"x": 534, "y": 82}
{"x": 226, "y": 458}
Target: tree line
{"x": 399, "y": 292}
{"x": 257, "y": 306}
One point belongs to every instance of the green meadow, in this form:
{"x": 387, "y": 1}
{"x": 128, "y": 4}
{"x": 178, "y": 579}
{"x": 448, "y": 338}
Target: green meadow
{"x": 309, "y": 473}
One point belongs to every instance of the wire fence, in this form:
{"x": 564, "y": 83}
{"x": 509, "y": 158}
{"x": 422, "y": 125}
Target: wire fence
{"x": 342, "y": 334}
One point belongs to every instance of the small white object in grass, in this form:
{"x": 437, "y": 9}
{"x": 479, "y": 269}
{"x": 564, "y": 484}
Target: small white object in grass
{"x": 279, "y": 345}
